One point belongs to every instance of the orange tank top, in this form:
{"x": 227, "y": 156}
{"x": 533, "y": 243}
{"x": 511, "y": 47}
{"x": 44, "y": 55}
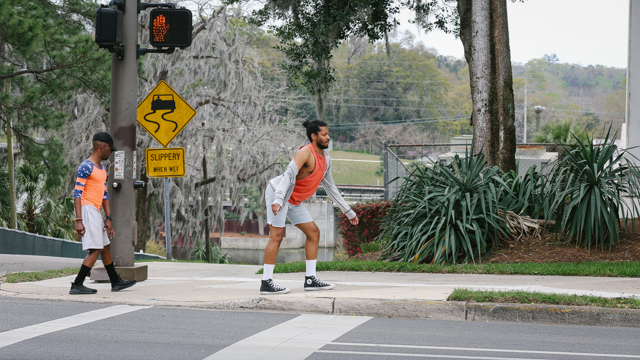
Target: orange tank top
{"x": 306, "y": 187}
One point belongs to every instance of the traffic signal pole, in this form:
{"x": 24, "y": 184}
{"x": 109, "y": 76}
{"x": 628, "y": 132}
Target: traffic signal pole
{"x": 117, "y": 30}
{"x": 122, "y": 126}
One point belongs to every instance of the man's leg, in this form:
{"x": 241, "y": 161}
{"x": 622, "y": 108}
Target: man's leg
{"x": 270, "y": 255}
{"x": 271, "y": 250}
{"x": 77, "y": 287}
{"x": 117, "y": 283}
{"x": 311, "y": 281}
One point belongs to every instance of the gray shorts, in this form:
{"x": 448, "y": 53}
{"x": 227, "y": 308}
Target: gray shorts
{"x": 95, "y": 236}
{"x": 297, "y": 214}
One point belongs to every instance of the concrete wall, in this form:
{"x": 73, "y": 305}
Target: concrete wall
{"x": 22, "y": 243}
{"x": 15, "y": 242}
{"x": 322, "y": 214}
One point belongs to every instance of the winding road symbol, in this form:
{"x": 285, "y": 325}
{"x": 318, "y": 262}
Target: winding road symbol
{"x": 162, "y": 102}
{"x": 164, "y": 113}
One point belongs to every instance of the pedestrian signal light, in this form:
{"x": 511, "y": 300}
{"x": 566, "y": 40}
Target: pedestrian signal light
{"x": 108, "y": 27}
{"x": 170, "y": 28}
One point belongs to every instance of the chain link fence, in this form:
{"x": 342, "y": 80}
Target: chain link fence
{"x": 397, "y": 158}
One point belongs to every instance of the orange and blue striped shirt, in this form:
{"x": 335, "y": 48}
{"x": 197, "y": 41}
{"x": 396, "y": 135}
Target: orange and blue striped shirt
{"x": 91, "y": 184}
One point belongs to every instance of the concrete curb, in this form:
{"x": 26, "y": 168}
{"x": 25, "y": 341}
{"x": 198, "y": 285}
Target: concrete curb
{"x": 296, "y": 305}
{"x": 417, "y": 309}
{"x": 440, "y": 310}
{"x": 553, "y": 314}
{"x": 411, "y": 309}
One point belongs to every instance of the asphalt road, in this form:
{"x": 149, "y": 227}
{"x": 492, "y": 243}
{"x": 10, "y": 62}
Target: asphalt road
{"x": 38, "y": 329}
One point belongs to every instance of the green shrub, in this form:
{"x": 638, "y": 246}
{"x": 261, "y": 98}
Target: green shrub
{"x": 231, "y": 215}
{"x": 370, "y": 215}
{"x": 370, "y": 247}
{"x": 563, "y": 132}
{"x": 446, "y": 214}
{"x": 153, "y": 247}
{"x": 217, "y": 257}
{"x": 586, "y": 188}
{"x": 525, "y": 196}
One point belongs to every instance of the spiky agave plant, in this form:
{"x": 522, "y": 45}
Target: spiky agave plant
{"x": 446, "y": 213}
{"x": 586, "y": 188}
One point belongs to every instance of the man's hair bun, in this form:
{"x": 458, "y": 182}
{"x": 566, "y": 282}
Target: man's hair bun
{"x": 305, "y": 124}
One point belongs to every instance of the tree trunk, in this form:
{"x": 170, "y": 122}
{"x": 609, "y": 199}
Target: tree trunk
{"x": 321, "y": 88}
{"x": 260, "y": 216}
{"x": 142, "y": 214}
{"x": 481, "y": 92}
{"x": 504, "y": 86}
{"x": 485, "y": 39}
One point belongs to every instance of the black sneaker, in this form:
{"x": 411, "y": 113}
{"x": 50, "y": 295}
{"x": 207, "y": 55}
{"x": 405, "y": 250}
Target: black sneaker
{"x": 312, "y": 283}
{"x": 122, "y": 284}
{"x": 81, "y": 290}
{"x": 268, "y": 287}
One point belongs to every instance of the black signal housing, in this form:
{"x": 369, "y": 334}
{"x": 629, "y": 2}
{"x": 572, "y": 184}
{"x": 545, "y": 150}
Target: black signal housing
{"x": 170, "y": 28}
{"x": 108, "y": 27}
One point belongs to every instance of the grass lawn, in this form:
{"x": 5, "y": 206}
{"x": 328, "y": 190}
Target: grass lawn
{"x": 523, "y": 297}
{"x": 353, "y": 155}
{"x": 356, "y": 172}
{"x": 601, "y": 268}
{"x": 39, "y": 275}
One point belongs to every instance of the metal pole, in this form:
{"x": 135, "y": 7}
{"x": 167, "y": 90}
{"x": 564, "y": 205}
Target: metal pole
{"x": 326, "y": 220}
{"x": 525, "y": 109}
{"x": 385, "y": 170}
{"x": 167, "y": 218}
{"x": 13, "y": 223}
{"x": 122, "y": 126}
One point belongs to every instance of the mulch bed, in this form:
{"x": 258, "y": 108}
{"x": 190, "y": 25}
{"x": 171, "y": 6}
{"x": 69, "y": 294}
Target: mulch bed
{"x": 551, "y": 248}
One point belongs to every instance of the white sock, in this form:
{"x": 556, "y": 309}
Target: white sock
{"x": 267, "y": 273}
{"x": 311, "y": 267}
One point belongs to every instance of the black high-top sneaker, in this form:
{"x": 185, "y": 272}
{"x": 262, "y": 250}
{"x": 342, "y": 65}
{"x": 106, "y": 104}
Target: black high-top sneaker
{"x": 312, "y": 283}
{"x": 81, "y": 290}
{"x": 122, "y": 284}
{"x": 268, "y": 287}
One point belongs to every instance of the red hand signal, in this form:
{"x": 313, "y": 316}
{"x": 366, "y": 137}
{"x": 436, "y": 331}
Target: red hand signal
{"x": 160, "y": 28}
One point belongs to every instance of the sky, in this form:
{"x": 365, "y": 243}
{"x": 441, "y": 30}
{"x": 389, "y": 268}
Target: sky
{"x": 585, "y": 32}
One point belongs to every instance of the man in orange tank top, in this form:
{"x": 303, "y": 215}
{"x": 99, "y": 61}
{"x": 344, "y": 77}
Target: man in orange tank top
{"x": 284, "y": 196}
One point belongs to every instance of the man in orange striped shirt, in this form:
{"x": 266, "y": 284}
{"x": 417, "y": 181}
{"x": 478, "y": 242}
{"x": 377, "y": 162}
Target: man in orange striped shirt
{"x": 89, "y": 196}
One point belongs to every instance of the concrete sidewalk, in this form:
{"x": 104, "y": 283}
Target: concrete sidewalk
{"x": 236, "y": 287}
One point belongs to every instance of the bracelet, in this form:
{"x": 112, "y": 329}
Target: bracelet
{"x": 78, "y": 219}
{"x": 109, "y": 217}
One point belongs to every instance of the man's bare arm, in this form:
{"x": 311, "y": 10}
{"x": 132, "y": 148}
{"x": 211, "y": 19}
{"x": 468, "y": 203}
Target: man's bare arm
{"x": 77, "y": 205}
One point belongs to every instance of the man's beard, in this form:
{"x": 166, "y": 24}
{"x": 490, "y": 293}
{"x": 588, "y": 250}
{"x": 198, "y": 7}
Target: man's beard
{"x": 323, "y": 146}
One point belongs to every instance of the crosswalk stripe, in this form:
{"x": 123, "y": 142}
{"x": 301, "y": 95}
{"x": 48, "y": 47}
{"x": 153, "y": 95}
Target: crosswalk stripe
{"x": 16, "y": 335}
{"x": 423, "y": 347}
{"x": 295, "y": 339}
{"x": 369, "y": 354}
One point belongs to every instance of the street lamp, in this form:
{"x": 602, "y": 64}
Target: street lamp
{"x": 538, "y": 110}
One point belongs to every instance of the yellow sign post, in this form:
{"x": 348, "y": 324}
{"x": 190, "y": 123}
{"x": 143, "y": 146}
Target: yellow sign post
{"x": 165, "y": 162}
{"x": 164, "y": 113}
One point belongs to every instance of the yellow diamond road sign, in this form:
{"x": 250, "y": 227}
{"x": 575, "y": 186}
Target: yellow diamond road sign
{"x": 164, "y": 113}
{"x": 165, "y": 162}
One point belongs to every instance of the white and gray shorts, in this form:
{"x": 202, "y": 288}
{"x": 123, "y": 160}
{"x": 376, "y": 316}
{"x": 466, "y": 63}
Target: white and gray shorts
{"x": 297, "y": 214}
{"x": 95, "y": 235}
